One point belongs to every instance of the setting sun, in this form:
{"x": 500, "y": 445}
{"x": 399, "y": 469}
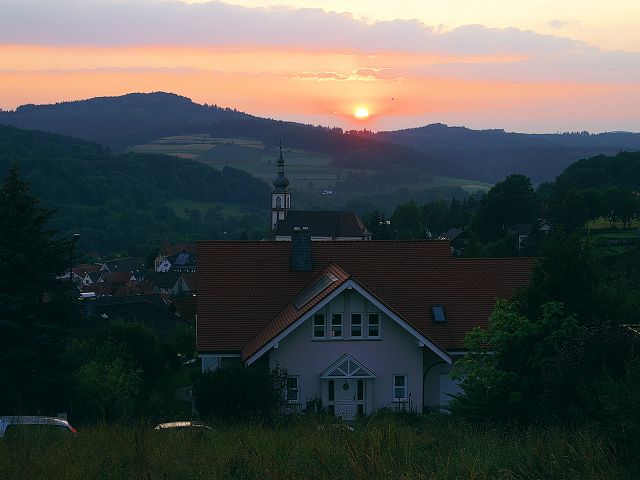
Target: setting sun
{"x": 361, "y": 112}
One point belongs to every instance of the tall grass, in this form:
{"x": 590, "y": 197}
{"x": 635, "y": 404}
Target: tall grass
{"x": 381, "y": 448}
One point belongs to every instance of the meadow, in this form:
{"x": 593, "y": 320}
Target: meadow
{"x": 382, "y": 447}
{"x": 308, "y": 170}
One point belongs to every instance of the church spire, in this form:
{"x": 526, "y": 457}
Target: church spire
{"x": 281, "y": 182}
{"x": 280, "y": 196}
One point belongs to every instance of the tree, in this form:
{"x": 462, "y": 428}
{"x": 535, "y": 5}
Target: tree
{"x": 36, "y": 310}
{"x": 543, "y": 355}
{"x": 508, "y": 202}
{"x": 407, "y": 221}
{"x": 241, "y": 392}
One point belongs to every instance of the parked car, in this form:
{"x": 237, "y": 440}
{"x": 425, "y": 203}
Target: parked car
{"x": 185, "y": 425}
{"x": 11, "y": 425}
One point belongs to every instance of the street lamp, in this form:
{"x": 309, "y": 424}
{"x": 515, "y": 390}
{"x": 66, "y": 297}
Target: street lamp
{"x": 74, "y": 239}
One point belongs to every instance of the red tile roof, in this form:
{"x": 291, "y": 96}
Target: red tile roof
{"x": 246, "y": 289}
{"x": 290, "y": 313}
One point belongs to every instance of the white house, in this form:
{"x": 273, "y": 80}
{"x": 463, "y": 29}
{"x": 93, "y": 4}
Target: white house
{"x": 361, "y": 325}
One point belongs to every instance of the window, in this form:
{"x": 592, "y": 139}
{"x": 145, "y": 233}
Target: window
{"x": 374, "y": 325}
{"x": 399, "y": 388}
{"x": 356, "y": 325}
{"x": 278, "y": 202}
{"x": 438, "y": 313}
{"x": 318, "y": 326}
{"x": 360, "y": 396}
{"x": 336, "y": 325}
{"x": 293, "y": 393}
{"x": 332, "y": 390}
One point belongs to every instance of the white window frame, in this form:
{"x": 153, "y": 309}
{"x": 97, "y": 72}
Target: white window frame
{"x": 297, "y": 389}
{"x": 369, "y": 325}
{"x": 331, "y": 335}
{"x": 324, "y": 326}
{"x": 361, "y": 324}
{"x": 405, "y": 387}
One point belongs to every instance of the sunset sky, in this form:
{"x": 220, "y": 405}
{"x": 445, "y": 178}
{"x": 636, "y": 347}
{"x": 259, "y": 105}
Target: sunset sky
{"x": 530, "y": 65}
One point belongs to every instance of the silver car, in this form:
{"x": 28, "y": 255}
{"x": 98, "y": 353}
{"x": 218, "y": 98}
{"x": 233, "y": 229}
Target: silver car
{"x": 10, "y": 424}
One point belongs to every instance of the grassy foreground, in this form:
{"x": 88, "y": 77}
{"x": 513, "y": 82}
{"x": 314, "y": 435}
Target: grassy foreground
{"x": 383, "y": 448}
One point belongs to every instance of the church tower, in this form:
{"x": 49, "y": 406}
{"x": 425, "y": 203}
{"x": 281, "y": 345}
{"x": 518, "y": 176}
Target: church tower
{"x": 280, "y": 197}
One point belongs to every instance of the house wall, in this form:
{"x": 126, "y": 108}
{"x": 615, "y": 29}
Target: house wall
{"x": 434, "y": 366}
{"x": 396, "y": 352}
{"x": 165, "y": 266}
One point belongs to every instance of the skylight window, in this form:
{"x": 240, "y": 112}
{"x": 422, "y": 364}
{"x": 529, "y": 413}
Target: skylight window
{"x": 314, "y": 290}
{"x": 438, "y": 313}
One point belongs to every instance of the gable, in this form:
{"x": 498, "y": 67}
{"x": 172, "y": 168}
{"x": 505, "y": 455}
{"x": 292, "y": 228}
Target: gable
{"x": 347, "y": 298}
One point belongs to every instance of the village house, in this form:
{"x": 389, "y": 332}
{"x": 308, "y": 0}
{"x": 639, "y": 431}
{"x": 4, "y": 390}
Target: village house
{"x": 179, "y": 263}
{"x": 167, "y": 249}
{"x": 129, "y": 264}
{"x": 359, "y": 325}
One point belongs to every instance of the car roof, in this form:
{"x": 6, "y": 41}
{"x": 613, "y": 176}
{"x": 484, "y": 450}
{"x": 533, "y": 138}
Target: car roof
{"x": 34, "y": 420}
{"x": 183, "y": 424}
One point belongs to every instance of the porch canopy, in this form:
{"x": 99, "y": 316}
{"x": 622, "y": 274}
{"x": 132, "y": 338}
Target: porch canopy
{"x": 346, "y": 367}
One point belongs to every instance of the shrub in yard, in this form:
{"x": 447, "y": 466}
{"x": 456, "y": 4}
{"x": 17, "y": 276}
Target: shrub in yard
{"x": 241, "y": 392}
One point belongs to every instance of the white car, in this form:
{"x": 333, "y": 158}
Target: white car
{"x": 185, "y": 425}
{"x": 31, "y": 423}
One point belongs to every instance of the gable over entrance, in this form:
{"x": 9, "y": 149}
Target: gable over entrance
{"x": 346, "y": 367}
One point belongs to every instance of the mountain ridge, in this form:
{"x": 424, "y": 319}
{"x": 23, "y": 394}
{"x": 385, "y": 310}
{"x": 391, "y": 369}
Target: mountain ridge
{"x": 436, "y": 149}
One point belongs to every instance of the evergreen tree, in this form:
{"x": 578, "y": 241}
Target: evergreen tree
{"x": 35, "y": 308}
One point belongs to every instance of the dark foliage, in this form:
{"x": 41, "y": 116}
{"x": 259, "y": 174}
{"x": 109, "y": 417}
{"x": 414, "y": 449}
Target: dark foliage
{"x": 118, "y": 203}
{"x": 36, "y": 310}
{"x": 241, "y": 392}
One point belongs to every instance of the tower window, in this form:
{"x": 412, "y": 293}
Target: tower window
{"x": 278, "y": 202}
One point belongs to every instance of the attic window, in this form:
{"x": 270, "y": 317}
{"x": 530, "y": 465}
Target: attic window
{"x": 438, "y": 313}
{"x": 314, "y": 290}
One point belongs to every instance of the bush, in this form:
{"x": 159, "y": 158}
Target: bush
{"x": 238, "y": 391}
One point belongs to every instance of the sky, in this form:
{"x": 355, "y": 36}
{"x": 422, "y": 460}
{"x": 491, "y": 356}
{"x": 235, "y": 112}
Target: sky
{"x": 528, "y": 66}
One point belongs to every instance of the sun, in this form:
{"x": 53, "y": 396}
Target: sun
{"x": 361, "y": 113}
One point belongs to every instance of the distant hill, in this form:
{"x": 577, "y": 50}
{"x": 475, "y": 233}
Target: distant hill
{"x": 491, "y": 155}
{"x": 121, "y": 121}
{"x": 132, "y": 201}
{"x": 411, "y": 155}
{"x": 139, "y": 118}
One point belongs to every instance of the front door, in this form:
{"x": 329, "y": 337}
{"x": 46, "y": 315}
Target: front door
{"x": 345, "y": 396}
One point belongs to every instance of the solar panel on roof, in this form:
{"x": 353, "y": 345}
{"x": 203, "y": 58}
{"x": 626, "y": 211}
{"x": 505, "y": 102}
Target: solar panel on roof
{"x": 314, "y": 290}
{"x": 182, "y": 258}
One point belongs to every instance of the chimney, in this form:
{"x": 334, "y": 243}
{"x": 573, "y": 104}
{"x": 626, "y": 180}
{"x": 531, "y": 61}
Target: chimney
{"x": 301, "y": 249}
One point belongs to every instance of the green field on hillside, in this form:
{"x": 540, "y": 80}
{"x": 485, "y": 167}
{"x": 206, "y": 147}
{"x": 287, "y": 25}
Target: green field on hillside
{"x": 307, "y": 170}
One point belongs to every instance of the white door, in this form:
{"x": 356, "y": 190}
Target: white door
{"x": 345, "y": 398}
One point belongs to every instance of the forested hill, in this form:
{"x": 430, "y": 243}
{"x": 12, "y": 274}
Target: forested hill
{"x": 491, "y": 155}
{"x": 486, "y": 155}
{"x": 130, "y": 203}
{"x": 621, "y": 171}
{"x": 121, "y": 121}
{"x": 68, "y": 170}
{"x": 138, "y": 118}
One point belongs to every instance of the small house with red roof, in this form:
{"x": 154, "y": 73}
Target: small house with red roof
{"x": 360, "y": 325}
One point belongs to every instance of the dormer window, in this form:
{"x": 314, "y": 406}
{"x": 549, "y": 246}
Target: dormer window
{"x": 438, "y": 314}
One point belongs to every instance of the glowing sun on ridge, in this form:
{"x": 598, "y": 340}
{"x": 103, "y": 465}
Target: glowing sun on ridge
{"x": 361, "y": 113}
